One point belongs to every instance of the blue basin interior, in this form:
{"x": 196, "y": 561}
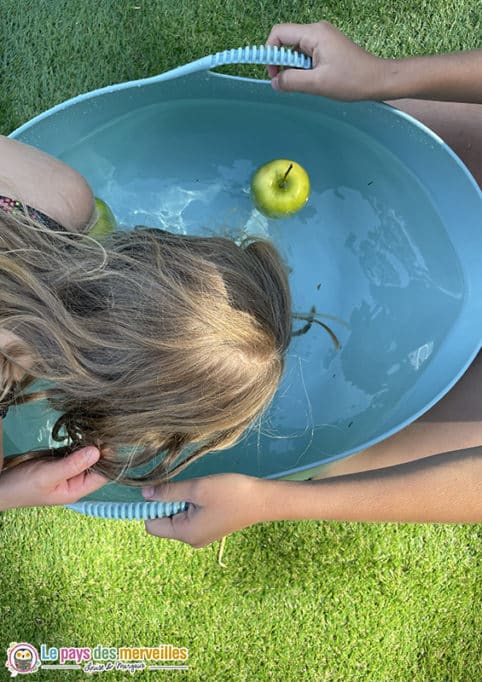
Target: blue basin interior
{"x": 388, "y": 243}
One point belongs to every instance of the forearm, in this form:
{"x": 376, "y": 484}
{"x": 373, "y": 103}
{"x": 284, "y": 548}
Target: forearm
{"x": 5, "y": 501}
{"x": 453, "y": 77}
{"x": 442, "y": 488}
{"x": 6, "y": 497}
{"x": 45, "y": 183}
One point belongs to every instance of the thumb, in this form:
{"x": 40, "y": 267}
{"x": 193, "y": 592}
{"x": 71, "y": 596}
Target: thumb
{"x": 169, "y": 492}
{"x": 299, "y": 80}
{"x": 75, "y": 463}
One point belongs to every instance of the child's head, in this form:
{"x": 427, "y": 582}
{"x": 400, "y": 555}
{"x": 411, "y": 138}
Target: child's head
{"x": 154, "y": 340}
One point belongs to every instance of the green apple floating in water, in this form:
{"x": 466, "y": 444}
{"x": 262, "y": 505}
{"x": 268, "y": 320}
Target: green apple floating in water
{"x": 105, "y": 224}
{"x": 280, "y": 188}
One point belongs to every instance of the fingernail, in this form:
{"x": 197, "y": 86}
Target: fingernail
{"x": 91, "y": 454}
{"x": 274, "y": 83}
{"x": 148, "y": 492}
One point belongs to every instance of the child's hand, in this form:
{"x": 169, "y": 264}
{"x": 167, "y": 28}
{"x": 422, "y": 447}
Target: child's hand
{"x": 219, "y": 505}
{"x": 40, "y": 483}
{"x": 341, "y": 69}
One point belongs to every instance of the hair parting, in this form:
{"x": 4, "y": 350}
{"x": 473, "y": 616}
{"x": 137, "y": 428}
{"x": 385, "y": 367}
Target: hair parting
{"x": 166, "y": 345}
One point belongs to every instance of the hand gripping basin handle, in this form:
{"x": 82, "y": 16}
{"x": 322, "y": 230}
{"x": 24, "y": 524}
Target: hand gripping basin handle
{"x": 279, "y": 56}
{"x": 129, "y": 511}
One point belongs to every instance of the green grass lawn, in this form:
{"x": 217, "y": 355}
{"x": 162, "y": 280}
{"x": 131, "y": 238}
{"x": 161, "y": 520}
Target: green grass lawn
{"x": 312, "y": 600}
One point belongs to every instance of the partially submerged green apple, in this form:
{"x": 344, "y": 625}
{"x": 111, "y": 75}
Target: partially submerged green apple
{"x": 280, "y": 188}
{"x": 105, "y": 223}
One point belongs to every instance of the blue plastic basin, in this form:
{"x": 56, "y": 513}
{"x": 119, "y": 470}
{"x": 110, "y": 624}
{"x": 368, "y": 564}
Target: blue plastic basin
{"x": 389, "y": 242}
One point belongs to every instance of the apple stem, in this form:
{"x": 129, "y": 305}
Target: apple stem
{"x": 282, "y": 183}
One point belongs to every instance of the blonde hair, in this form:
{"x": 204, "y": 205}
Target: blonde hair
{"x": 164, "y": 343}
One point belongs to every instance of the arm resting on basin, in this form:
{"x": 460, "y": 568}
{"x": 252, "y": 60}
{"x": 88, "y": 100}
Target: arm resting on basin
{"x": 46, "y": 183}
{"x": 453, "y": 77}
{"x": 442, "y": 488}
{"x": 343, "y": 70}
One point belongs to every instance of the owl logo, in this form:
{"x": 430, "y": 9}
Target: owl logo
{"x": 22, "y": 659}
